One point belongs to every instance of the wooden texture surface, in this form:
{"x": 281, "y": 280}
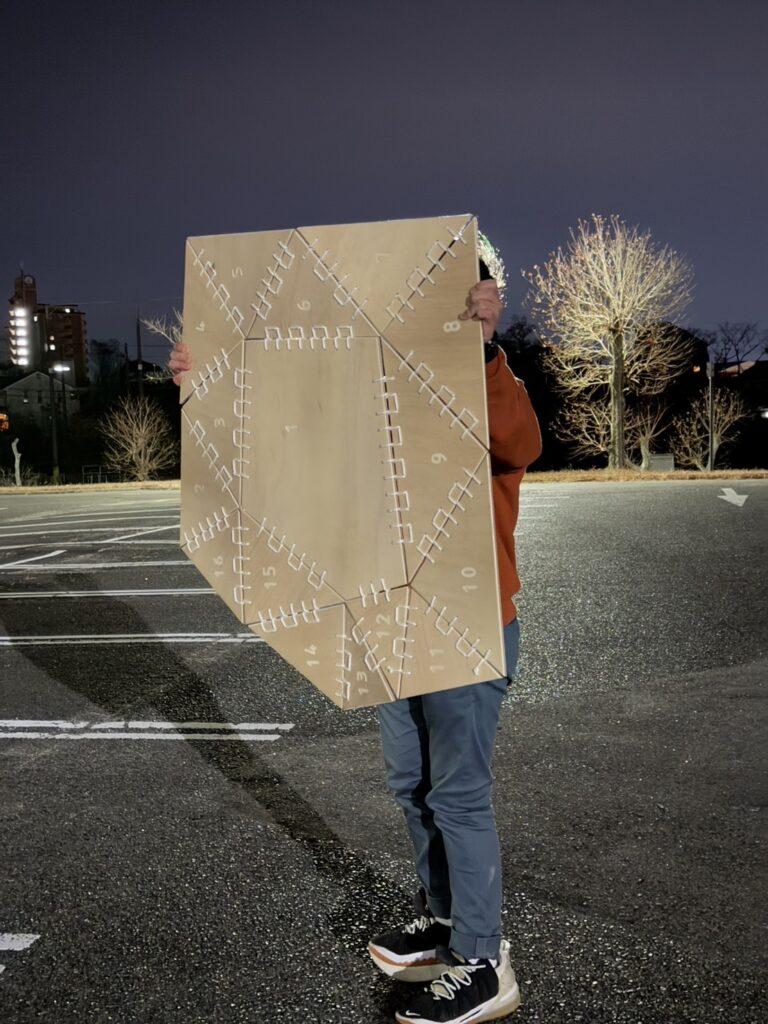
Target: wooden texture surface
{"x": 336, "y": 485}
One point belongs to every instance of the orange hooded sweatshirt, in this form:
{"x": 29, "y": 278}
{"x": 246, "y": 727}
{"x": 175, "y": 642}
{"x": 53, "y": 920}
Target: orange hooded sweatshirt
{"x": 515, "y": 442}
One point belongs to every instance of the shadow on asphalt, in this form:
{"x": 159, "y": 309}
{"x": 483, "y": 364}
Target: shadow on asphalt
{"x": 368, "y": 902}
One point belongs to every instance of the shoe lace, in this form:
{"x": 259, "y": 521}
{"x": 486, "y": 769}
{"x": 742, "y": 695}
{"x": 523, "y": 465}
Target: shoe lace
{"x": 419, "y": 925}
{"x": 451, "y": 980}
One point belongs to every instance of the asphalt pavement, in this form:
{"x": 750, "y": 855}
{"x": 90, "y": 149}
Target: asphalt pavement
{"x": 192, "y": 833}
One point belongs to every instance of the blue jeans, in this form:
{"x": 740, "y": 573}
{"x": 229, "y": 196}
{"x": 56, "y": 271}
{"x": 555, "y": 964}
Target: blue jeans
{"x": 438, "y": 750}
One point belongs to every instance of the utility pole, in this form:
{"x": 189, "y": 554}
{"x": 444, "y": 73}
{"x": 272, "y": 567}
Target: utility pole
{"x": 711, "y": 407}
{"x": 140, "y": 364}
{"x": 54, "y": 431}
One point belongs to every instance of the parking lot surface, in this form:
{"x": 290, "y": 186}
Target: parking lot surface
{"x": 191, "y": 832}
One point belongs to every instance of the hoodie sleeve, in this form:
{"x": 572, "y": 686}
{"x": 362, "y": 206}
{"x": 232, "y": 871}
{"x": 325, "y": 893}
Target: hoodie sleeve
{"x": 514, "y": 430}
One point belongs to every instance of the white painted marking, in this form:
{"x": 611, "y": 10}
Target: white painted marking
{"x": 93, "y": 565}
{"x": 84, "y": 529}
{"x": 40, "y": 723}
{"x": 17, "y": 940}
{"x": 285, "y": 726}
{"x": 141, "y": 533}
{"x": 66, "y": 520}
{"x": 130, "y": 638}
{"x": 34, "y": 558}
{"x": 145, "y": 592}
{"x": 731, "y": 496}
{"x": 85, "y": 544}
{"x": 250, "y": 732}
{"x": 248, "y": 737}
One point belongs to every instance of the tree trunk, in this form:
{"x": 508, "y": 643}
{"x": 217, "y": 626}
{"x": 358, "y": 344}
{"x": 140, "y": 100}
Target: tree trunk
{"x": 645, "y": 454}
{"x": 617, "y": 456}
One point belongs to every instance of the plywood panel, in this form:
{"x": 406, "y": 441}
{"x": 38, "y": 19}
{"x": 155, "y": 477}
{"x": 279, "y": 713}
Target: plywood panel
{"x": 211, "y": 422}
{"x": 460, "y": 557}
{"x": 281, "y": 584}
{"x": 312, "y": 307}
{"x": 385, "y": 266}
{"x": 322, "y": 648}
{"x": 319, "y": 470}
{"x": 379, "y": 624}
{"x": 432, "y": 444}
{"x": 335, "y": 481}
{"x": 442, "y": 652}
{"x": 209, "y": 521}
{"x": 229, "y": 281}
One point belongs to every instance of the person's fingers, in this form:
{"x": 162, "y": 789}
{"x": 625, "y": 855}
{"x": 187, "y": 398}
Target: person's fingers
{"x": 483, "y": 310}
{"x": 179, "y": 361}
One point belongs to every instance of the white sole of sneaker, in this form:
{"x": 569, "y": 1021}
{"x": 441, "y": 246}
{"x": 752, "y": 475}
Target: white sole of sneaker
{"x": 410, "y": 971}
{"x": 494, "y": 1009}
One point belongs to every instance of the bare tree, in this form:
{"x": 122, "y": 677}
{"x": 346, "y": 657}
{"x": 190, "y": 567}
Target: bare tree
{"x": 604, "y": 305}
{"x": 736, "y": 342}
{"x": 171, "y": 331}
{"x": 690, "y": 432}
{"x": 585, "y": 424}
{"x": 140, "y": 441}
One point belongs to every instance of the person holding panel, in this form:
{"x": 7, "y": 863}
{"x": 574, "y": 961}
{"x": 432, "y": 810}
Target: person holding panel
{"x": 438, "y": 750}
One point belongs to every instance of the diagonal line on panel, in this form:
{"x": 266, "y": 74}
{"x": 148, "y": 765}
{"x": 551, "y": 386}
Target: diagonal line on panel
{"x": 341, "y": 293}
{"x": 435, "y": 256}
{"x": 439, "y": 396}
{"x": 445, "y": 520}
{"x": 450, "y": 626}
{"x": 279, "y": 544}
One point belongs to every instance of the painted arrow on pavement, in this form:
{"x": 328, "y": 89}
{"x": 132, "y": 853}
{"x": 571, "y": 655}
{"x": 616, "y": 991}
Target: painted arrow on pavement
{"x": 15, "y": 941}
{"x": 730, "y": 495}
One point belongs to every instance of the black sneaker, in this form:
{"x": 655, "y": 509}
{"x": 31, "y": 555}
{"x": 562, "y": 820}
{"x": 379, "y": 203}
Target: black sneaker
{"x": 410, "y": 953}
{"x": 466, "y": 993}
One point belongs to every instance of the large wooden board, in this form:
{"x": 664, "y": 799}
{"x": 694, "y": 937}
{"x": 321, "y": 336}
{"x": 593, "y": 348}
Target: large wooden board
{"x": 336, "y": 487}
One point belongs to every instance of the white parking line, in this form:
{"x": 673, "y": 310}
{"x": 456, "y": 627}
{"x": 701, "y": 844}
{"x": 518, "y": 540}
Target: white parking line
{"x": 109, "y": 517}
{"x": 129, "y": 638}
{"x": 34, "y": 558}
{"x": 250, "y": 732}
{"x": 140, "y": 592}
{"x": 85, "y": 529}
{"x": 141, "y": 533}
{"x": 227, "y": 737}
{"x": 63, "y": 724}
{"x": 16, "y": 940}
{"x": 21, "y": 567}
{"x": 82, "y": 543}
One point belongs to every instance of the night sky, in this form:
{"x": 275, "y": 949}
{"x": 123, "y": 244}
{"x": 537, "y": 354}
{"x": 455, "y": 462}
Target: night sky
{"x": 129, "y": 126}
